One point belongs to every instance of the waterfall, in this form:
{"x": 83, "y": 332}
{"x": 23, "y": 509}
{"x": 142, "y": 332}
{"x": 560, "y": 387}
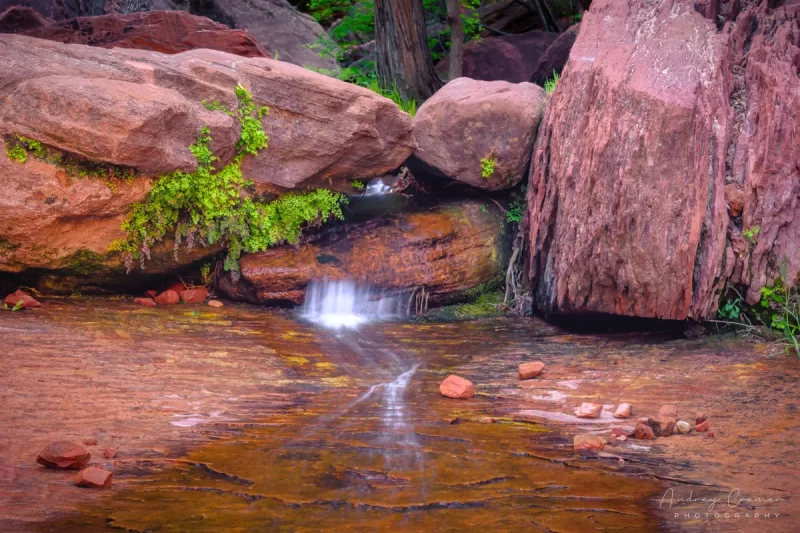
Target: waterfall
{"x": 346, "y": 304}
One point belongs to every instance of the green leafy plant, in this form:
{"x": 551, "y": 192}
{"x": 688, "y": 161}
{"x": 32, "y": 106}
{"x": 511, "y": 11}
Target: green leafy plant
{"x": 487, "y": 167}
{"x": 358, "y": 185}
{"x": 517, "y": 206}
{"x": 751, "y": 234}
{"x": 551, "y": 83}
{"x": 17, "y": 148}
{"x": 209, "y": 205}
{"x": 206, "y": 275}
{"x": 17, "y": 307}
{"x": 782, "y": 303}
{"x": 732, "y": 310}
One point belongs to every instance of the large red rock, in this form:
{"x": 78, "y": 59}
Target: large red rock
{"x": 196, "y": 295}
{"x": 447, "y": 250}
{"x": 589, "y": 410}
{"x": 63, "y": 455}
{"x": 168, "y": 297}
{"x": 21, "y": 299}
{"x": 626, "y": 200}
{"x": 511, "y": 58}
{"x": 19, "y": 19}
{"x": 555, "y": 57}
{"x": 457, "y": 387}
{"x": 168, "y": 32}
{"x": 470, "y": 124}
{"x": 644, "y": 143}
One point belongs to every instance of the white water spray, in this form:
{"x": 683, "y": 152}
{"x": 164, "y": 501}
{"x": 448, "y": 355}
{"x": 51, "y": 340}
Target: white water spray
{"x": 345, "y": 304}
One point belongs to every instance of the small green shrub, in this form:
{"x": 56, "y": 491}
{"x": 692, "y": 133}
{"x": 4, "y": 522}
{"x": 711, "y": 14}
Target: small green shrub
{"x": 551, "y": 84}
{"x": 487, "y": 166}
{"x": 358, "y": 185}
{"x": 17, "y": 148}
{"x": 782, "y": 303}
{"x": 208, "y": 205}
{"x": 751, "y": 234}
{"x": 732, "y": 310}
{"x": 517, "y": 206}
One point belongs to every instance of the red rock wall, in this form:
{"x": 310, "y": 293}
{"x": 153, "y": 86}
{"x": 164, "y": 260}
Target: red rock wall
{"x": 660, "y": 108}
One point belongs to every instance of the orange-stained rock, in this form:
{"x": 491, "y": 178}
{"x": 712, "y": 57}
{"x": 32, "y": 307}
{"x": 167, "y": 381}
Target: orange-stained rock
{"x": 468, "y": 124}
{"x": 215, "y": 303}
{"x": 587, "y": 441}
{"x": 668, "y": 411}
{"x": 589, "y": 410}
{"x": 168, "y": 32}
{"x": 110, "y": 453}
{"x": 703, "y": 426}
{"x": 168, "y": 297}
{"x": 63, "y": 455}
{"x": 700, "y": 417}
{"x": 147, "y": 302}
{"x": 94, "y": 477}
{"x": 446, "y": 250}
{"x": 530, "y": 370}
{"x": 643, "y": 431}
{"x": 194, "y": 296}
{"x": 457, "y": 387}
{"x": 623, "y": 410}
{"x": 24, "y": 300}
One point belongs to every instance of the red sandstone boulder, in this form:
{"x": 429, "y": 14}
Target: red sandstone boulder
{"x": 587, "y": 441}
{"x": 63, "y": 455}
{"x": 19, "y": 19}
{"x": 168, "y": 297}
{"x": 458, "y": 245}
{"x": 555, "y": 57}
{"x": 457, "y": 387}
{"x": 94, "y": 477}
{"x": 640, "y": 141}
{"x": 21, "y": 299}
{"x": 478, "y": 132}
{"x": 589, "y": 410}
{"x": 703, "y": 426}
{"x": 168, "y": 32}
{"x": 669, "y": 411}
{"x": 530, "y": 370}
{"x": 511, "y": 58}
{"x": 147, "y": 302}
{"x": 194, "y": 296}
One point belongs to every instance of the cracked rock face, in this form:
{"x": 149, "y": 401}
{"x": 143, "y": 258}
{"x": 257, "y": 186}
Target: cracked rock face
{"x": 657, "y": 111}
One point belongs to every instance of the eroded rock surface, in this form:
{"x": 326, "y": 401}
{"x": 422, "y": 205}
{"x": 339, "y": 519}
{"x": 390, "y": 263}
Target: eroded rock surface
{"x": 446, "y": 250}
{"x": 479, "y": 132}
{"x": 168, "y": 32}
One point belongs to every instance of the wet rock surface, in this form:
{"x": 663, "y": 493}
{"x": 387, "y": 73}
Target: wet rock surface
{"x": 94, "y": 477}
{"x": 257, "y": 387}
{"x": 63, "y": 455}
{"x": 478, "y": 132}
{"x": 446, "y": 250}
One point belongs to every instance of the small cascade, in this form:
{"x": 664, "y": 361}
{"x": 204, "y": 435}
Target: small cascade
{"x": 346, "y": 304}
{"x": 377, "y": 187}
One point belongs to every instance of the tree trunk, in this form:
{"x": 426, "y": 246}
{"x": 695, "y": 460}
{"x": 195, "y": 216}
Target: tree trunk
{"x": 404, "y": 60}
{"x": 456, "y": 38}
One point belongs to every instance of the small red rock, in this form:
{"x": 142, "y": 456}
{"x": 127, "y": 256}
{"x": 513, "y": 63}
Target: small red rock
{"x": 667, "y": 426}
{"x": 709, "y": 434}
{"x": 194, "y": 296}
{"x": 90, "y": 442}
{"x": 94, "y": 477}
{"x": 588, "y": 441}
{"x": 457, "y": 387}
{"x": 668, "y": 411}
{"x": 147, "y": 302}
{"x": 623, "y": 431}
{"x": 25, "y": 301}
{"x": 168, "y": 297}
{"x": 530, "y": 370}
{"x": 643, "y": 431}
{"x": 699, "y": 418}
{"x": 110, "y": 453}
{"x": 215, "y": 303}
{"x": 623, "y": 411}
{"x": 65, "y": 455}
{"x": 589, "y": 410}
{"x": 703, "y": 426}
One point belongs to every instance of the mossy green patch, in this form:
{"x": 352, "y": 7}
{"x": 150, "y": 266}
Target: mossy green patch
{"x": 209, "y": 205}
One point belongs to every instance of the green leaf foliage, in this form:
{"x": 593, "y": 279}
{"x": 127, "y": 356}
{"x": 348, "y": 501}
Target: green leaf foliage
{"x": 209, "y": 205}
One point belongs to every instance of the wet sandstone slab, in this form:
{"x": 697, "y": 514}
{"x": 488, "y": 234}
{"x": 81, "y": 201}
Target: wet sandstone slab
{"x": 242, "y": 419}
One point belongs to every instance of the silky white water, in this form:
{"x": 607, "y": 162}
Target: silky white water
{"x": 347, "y": 304}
